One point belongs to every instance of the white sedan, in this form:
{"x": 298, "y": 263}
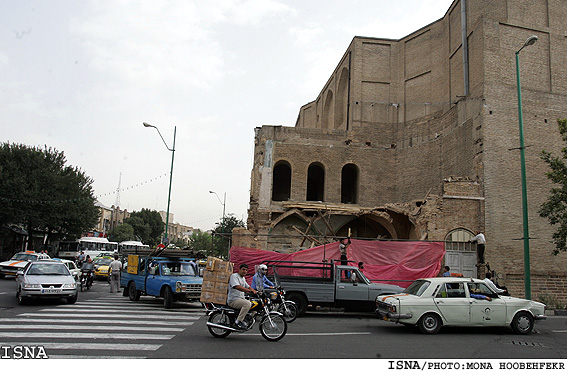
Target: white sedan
{"x": 451, "y": 301}
{"x": 19, "y": 261}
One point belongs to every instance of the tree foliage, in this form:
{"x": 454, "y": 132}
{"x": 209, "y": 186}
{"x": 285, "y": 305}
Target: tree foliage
{"x": 148, "y": 226}
{"x": 555, "y": 207}
{"x": 222, "y": 236}
{"x": 121, "y": 233}
{"x": 42, "y": 194}
{"x": 200, "y": 242}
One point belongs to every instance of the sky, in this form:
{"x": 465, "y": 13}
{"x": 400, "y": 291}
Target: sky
{"x": 82, "y": 76}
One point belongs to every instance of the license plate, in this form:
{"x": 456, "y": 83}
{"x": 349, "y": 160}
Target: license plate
{"x": 56, "y": 290}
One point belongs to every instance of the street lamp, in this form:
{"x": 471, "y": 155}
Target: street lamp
{"x": 223, "y": 209}
{"x": 165, "y": 240}
{"x": 527, "y": 280}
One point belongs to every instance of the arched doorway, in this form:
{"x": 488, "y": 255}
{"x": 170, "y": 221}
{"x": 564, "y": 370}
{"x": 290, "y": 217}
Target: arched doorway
{"x": 315, "y": 182}
{"x": 460, "y": 254}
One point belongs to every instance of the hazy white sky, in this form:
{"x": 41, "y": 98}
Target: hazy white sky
{"x": 82, "y": 76}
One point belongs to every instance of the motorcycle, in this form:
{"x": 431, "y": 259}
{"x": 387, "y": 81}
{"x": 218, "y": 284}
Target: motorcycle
{"x": 86, "y": 279}
{"x": 221, "y": 321}
{"x": 278, "y": 303}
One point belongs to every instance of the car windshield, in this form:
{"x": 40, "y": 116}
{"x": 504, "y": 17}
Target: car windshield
{"x": 177, "y": 268}
{"x": 24, "y": 257}
{"x": 417, "y": 288}
{"x": 102, "y": 261}
{"x": 48, "y": 269}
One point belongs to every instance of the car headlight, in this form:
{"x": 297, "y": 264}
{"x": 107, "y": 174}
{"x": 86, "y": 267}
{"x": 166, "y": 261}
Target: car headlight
{"x": 69, "y": 286}
{"x": 32, "y": 286}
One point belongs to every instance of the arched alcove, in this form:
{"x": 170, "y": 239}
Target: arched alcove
{"x": 315, "y": 182}
{"x": 281, "y": 181}
{"x": 341, "y": 101}
{"x": 349, "y": 184}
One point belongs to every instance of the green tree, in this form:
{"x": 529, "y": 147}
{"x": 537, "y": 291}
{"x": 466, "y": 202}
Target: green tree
{"x": 200, "y": 241}
{"x": 148, "y": 226}
{"x": 555, "y": 207}
{"x": 42, "y": 194}
{"x": 121, "y": 233}
{"x": 222, "y": 236}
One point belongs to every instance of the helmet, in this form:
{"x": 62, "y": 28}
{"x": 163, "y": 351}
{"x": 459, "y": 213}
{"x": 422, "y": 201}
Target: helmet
{"x": 263, "y": 268}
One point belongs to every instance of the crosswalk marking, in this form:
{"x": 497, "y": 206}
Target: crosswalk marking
{"x": 111, "y": 336}
{"x": 97, "y": 321}
{"x": 107, "y": 316}
{"x": 99, "y": 325}
{"x": 92, "y": 346}
{"x": 110, "y": 327}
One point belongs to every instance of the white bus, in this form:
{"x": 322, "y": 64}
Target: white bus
{"x": 92, "y": 246}
{"x": 131, "y": 244}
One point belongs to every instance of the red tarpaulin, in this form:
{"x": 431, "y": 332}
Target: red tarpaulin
{"x": 393, "y": 262}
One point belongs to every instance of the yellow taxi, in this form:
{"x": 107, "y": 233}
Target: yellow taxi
{"x": 102, "y": 267}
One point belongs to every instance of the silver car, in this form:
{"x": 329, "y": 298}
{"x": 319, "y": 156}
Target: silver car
{"x": 46, "y": 279}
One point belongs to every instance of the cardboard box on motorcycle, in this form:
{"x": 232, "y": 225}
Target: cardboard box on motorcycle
{"x": 215, "y": 280}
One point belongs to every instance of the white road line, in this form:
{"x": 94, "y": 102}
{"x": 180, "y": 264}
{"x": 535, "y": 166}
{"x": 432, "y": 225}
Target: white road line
{"x": 68, "y": 310}
{"x": 560, "y": 331}
{"x": 110, "y": 327}
{"x": 107, "y": 316}
{"x": 64, "y": 356}
{"x": 98, "y": 321}
{"x": 93, "y": 346}
{"x": 112, "y": 336}
{"x": 315, "y": 334}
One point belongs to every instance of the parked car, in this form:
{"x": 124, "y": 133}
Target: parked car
{"x": 19, "y": 261}
{"x": 46, "y": 279}
{"x": 452, "y": 301}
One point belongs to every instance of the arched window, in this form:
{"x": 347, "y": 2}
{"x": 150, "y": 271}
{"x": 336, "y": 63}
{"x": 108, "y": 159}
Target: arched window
{"x": 315, "y": 182}
{"x": 349, "y": 184}
{"x": 281, "y": 186}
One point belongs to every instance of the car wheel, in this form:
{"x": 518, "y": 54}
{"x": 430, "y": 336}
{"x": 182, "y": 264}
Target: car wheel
{"x": 133, "y": 293}
{"x": 300, "y": 302}
{"x": 523, "y": 323}
{"x": 73, "y": 299}
{"x": 167, "y": 298}
{"x": 429, "y": 324}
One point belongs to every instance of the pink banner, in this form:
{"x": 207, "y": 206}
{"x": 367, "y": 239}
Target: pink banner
{"x": 392, "y": 262}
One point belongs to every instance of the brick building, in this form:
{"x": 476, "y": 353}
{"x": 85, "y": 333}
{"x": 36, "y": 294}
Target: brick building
{"x": 418, "y": 138}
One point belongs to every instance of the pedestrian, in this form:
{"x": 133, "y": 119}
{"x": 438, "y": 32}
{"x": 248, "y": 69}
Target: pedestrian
{"x": 500, "y": 290}
{"x": 237, "y": 286}
{"x": 115, "y": 267}
{"x": 361, "y": 266}
{"x": 446, "y": 271}
{"x": 480, "y": 247}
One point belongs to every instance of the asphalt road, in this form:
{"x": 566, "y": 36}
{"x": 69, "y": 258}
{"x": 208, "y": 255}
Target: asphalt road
{"x": 105, "y": 325}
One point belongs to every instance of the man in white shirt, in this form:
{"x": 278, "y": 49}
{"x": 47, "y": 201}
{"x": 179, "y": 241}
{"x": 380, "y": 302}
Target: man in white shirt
{"x": 480, "y": 241}
{"x": 115, "y": 267}
{"x": 237, "y": 286}
{"x": 491, "y": 285}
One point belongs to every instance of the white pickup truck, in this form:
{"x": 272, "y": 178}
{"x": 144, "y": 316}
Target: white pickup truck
{"x": 327, "y": 284}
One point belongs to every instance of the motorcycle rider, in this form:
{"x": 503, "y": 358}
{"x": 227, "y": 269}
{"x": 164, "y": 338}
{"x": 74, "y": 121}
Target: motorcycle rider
{"x": 237, "y": 286}
{"x": 259, "y": 280}
{"x": 88, "y": 269}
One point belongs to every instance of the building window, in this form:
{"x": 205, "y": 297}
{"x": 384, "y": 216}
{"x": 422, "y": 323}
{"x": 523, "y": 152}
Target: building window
{"x": 349, "y": 184}
{"x": 315, "y": 182}
{"x": 458, "y": 240}
{"x": 281, "y": 187}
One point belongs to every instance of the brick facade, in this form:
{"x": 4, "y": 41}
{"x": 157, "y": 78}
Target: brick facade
{"x": 395, "y": 147}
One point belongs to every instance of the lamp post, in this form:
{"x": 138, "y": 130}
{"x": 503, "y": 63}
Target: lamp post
{"x": 223, "y": 208}
{"x": 527, "y": 280}
{"x": 165, "y": 240}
